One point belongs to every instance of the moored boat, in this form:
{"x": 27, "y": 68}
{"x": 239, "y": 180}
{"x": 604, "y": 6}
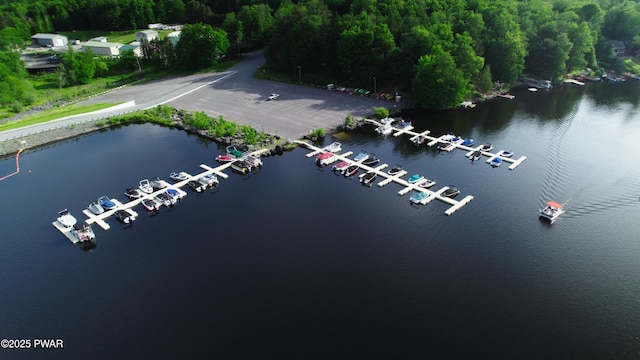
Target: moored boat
{"x": 209, "y": 180}
{"x": 96, "y": 208}
{"x": 419, "y": 140}
{"x": 164, "y": 199}
{"x": 175, "y": 193}
{"x": 450, "y": 192}
{"x": 133, "y": 193}
{"x": 224, "y": 158}
{"x": 363, "y": 155}
{"x": 158, "y": 184}
{"x": 341, "y": 166}
{"x": 233, "y": 152}
{"x": 150, "y": 204}
{"x": 551, "y": 211}
{"x": 66, "y": 219}
{"x": 467, "y": 142}
{"x": 179, "y": 176}
{"x": 368, "y": 178}
{"x": 334, "y": 147}
{"x": 371, "y": 160}
{"x": 418, "y": 197}
{"x": 107, "y": 203}
{"x": 241, "y": 167}
{"x": 426, "y": 183}
{"x": 124, "y": 216}
{"x": 145, "y": 186}
{"x": 476, "y": 155}
{"x": 487, "y": 147}
{"x": 325, "y": 158}
{"x": 197, "y": 186}
{"x": 395, "y": 170}
{"x": 506, "y": 153}
{"x": 85, "y": 235}
{"x": 496, "y": 161}
{"x": 351, "y": 170}
{"x": 415, "y": 178}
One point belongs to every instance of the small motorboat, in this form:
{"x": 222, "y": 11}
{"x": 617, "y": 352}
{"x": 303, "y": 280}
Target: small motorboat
{"x": 124, "y": 216}
{"x": 209, "y": 180}
{"x": 253, "y": 161}
{"x": 174, "y": 193}
{"x": 495, "y": 162}
{"x": 133, "y": 193}
{"x": 150, "y": 204}
{"x": 551, "y": 211}
{"x": 107, "y": 203}
{"x": 96, "y": 208}
{"x": 385, "y": 129}
{"x": 362, "y": 156}
{"x": 164, "y": 199}
{"x": 505, "y": 153}
{"x": 233, "y": 152}
{"x": 83, "y": 232}
{"x": 448, "y": 137}
{"x": 325, "y": 158}
{"x": 351, "y": 170}
{"x": 418, "y": 197}
{"x": 371, "y": 160}
{"x": 334, "y": 147}
{"x": 222, "y": 158}
{"x": 395, "y": 170}
{"x": 66, "y": 219}
{"x": 415, "y": 178}
{"x": 368, "y": 178}
{"x": 340, "y": 167}
{"x": 476, "y": 155}
{"x": 158, "y": 184}
{"x": 419, "y": 140}
{"x": 443, "y": 146}
{"x": 467, "y": 142}
{"x": 426, "y": 183}
{"x": 179, "y": 176}
{"x": 486, "y": 147}
{"x": 145, "y": 186}
{"x": 450, "y": 192}
{"x": 197, "y": 186}
{"x": 241, "y": 167}
{"x": 401, "y": 124}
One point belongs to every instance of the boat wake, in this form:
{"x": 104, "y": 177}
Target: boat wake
{"x": 627, "y": 194}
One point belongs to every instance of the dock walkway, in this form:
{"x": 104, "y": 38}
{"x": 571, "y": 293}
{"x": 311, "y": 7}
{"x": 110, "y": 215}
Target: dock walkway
{"x": 397, "y": 178}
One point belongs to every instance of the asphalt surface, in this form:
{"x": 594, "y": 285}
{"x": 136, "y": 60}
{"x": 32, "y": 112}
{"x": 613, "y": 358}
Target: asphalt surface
{"x": 235, "y": 95}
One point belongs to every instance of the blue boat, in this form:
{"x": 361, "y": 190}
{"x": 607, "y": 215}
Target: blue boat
{"x": 417, "y": 197}
{"x": 495, "y": 162}
{"x": 106, "y": 203}
{"x": 415, "y": 178}
{"x": 362, "y": 156}
{"x": 467, "y": 142}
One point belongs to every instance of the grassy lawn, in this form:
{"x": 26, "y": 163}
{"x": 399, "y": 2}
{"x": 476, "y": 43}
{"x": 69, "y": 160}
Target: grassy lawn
{"x": 52, "y": 114}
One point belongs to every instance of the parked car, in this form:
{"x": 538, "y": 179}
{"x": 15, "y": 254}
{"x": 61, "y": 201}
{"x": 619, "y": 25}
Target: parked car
{"x": 273, "y": 97}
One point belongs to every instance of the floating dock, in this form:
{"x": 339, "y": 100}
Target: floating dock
{"x": 451, "y": 145}
{"x": 100, "y": 219}
{"x": 397, "y": 178}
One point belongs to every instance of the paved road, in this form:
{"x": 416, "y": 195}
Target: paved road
{"x": 235, "y": 95}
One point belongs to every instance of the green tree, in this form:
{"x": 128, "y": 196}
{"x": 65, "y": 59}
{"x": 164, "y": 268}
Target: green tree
{"x": 438, "y": 83}
{"x": 200, "y": 46}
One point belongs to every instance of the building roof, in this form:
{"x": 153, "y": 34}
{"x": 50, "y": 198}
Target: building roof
{"x": 148, "y": 32}
{"x": 100, "y": 44}
{"x": 47, "y": 36}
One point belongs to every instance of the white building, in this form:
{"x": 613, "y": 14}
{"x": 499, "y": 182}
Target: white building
{"x": 146, "y": 36}
{"x": 49, "y": 40}
{"x": 102, "y": 48}
{"x": 174, "y": 37}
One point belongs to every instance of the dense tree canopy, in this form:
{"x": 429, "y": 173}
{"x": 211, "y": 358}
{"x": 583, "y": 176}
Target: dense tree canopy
{"x": 472, "y": 43}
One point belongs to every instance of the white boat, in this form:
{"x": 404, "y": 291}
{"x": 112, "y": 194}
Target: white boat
{"x": 145, "y": 186}
{"x": 209, "y": 180}
{"x": 395, "y": 170}
{"x": 66, "y": 219}
{"x": 175, "y": 193}
{"x": 158, "y": 183}
{"x": 85, "y": 235}
{"x": 418, "y": 197}
{"x": 426, "y": 183}
{"x": 487, "y": 147}
{"x": 415, "y": 178}
{"x": 95, "y": 208}
{"x": 179, "y": 176}
{"x": 253, "y": 161}
{"x": 334, "y": 147}
{"x": 476, "y": 155}
{"x": 385, "y": 129}
{"x": 150, "y": 204}
{"x": 164, "y": 199}
{"x": 551, "y": 211}
{"x": 506, "y": 153}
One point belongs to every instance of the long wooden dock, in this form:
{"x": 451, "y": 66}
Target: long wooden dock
{"x": 451, "y": 145}
{"x": 397, "y": 178}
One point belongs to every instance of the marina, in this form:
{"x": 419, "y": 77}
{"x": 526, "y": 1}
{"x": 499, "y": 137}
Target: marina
{"x": 397, "y": 178}
{"x": 448, "y": 144}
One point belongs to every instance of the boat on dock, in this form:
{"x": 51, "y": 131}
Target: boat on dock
{"x": 467, "y": 142}
{"x": 179, "y": 176}
{"x": 385, "y": 129}
{"x": 209, "y": 180}
{"x": 241, "y": 167}
{"x": 107, "y": 203}
{"x": 450, "y": 192}
{"x": 362, "y": 156}
{"x": 415, "y": 178}
{"x": 326, "y": 158}
{"x": 371, "y": 160}
{"x": 476, "y": 155}
{"x": 197, "y": 186}
{"x": 340, "y": 167}
{"x": 133, "y": 193}
{"x": 418, "y": 197}
{"x": 95, "y": 208}
{"x": 495, "y": 162}
{"x": 351, "y": 170}
{"x": 395, "y": 170}
{"x": 125, "y": 216}
{"x": 368, "y": 178}
{"x": 145, "y": 186}
{"x": 551, "y": 211}
{"x": 158, "y": 184}
{"x": 233, "y": 152}
{"x": 419, "y": 140}
{"x": 426, "y": 183}
{"x": 164, "y": 199}
{"x": 76, "y": 232}
{"x": 505, "y": 153}
{"x": 253, "y": 161}
{"x": 150, "y": 204}
{"x": 486, "y": 147}
{"x": 334, "y": 147}
{"x": 66, "y": 219}
{"x": 175, "y": 193}
{"x": 224, "y": 158}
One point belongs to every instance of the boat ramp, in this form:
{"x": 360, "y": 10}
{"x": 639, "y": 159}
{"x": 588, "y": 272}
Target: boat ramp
{"x": 100, "y": 219}
{"x": 397, "y": 178}
{"x": 451, "y": 145}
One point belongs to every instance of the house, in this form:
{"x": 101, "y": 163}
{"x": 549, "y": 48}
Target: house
{"x": 49, "y": 40}
{"x": 146, "y": 35}
{"x": 133, "y": 46}
{"x": 102, "y": 48}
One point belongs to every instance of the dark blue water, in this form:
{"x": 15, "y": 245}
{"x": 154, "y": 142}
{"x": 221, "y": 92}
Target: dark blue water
{"x": 296, "y": 262}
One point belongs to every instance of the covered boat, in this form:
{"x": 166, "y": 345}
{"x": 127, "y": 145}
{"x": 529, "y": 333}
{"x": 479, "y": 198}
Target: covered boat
{"x": 495, "y": 162}
{"x": 395, "y": 170}
{"x": 551, "y": 211}
{"x": 124, "y": 216}
{"x": 450, "y": 192}
{"x": 368, "y": 178}
{"x": 487, "y": 147}
{"x": 158, "y": 183}
{"x": 325, "y": 158}
{"x": 95, "y": 208}
{"x": 85, "y": 235}
{"x": 467, "y": 142}
{"x": 340, "y": 167}
{"x": 222, "y": 158}
{"x": 418, "y": 197}
{"x": 209, "y": 180}
{"x": 179, "y": 176}
{"x": 197, "y": 186}
{"x": 476, "y": 155}
{"x": 107, "y": 203}
{"x": 150, "y": 204}
{"x": 506, "y": 153}
{"x": 415, "y": 178}
{"x": 133, "y": 193}
{"x": 334, "y": 147}
{"x": 362, "y": 156}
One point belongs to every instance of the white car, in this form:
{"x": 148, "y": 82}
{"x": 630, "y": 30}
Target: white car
{"x": 273, "y": 97}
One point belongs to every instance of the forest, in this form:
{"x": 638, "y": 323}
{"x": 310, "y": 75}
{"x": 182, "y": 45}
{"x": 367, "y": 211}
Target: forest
{"x": 439, "y": 51}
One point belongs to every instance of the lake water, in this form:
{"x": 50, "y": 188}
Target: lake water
{"x": 296, "y": 262}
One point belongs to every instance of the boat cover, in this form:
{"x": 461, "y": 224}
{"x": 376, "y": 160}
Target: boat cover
{"x": 554, "y": 204}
